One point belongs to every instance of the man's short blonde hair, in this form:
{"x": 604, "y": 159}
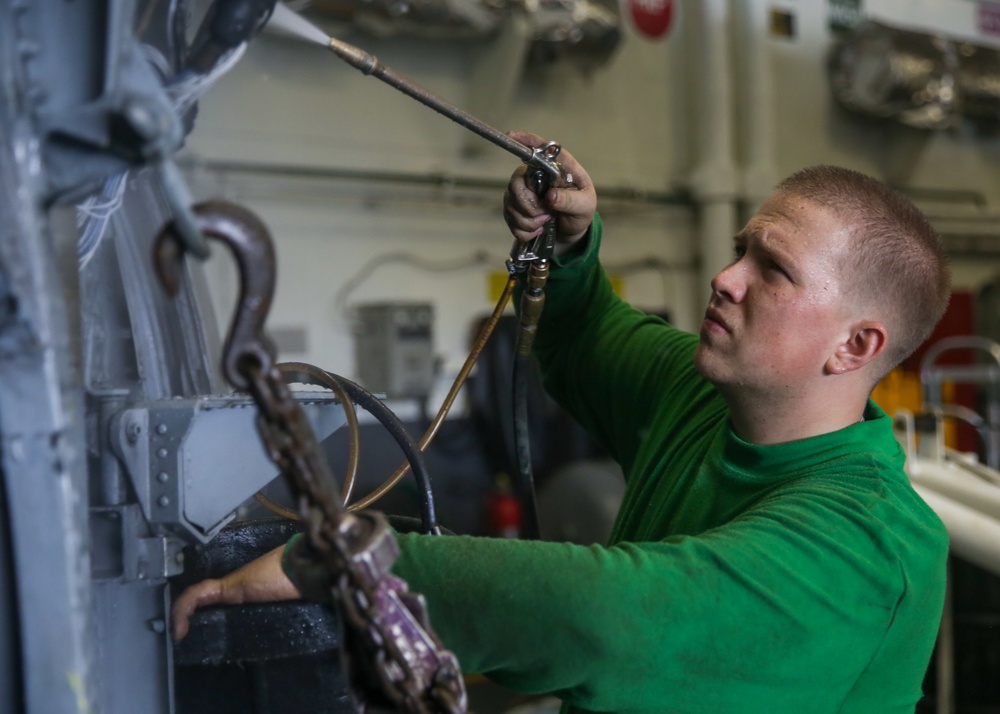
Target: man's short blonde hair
{"x": 896, "y": 266}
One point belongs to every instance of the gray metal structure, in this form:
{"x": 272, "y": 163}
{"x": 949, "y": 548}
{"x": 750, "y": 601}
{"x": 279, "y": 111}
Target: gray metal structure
{"x": 118, "y": 441}
{"x": 394, "y": 348}
{"x": 985, "y": 374}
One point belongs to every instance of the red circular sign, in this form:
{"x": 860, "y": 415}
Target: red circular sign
{"x": 651, "y": 18}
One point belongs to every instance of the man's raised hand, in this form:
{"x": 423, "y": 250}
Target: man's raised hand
{"x": 572, "y": 208}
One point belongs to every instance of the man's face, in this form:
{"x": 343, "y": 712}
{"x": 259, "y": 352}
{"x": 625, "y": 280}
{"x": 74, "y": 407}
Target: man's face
{"x": 777, "y": 312}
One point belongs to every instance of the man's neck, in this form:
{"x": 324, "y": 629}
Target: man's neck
{"x": 765, "y": 421}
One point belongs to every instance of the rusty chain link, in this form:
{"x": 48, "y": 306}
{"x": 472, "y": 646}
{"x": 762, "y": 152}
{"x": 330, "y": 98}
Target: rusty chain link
{"x": 413, "y": 671}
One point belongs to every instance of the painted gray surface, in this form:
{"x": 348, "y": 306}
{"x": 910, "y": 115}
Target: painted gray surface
{"x": 84, "y": 554}
{"x": 192, "y": 462}
{"x": 41, "y": 424}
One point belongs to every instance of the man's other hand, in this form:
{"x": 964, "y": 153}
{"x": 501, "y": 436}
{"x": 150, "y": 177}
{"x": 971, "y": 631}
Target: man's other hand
{"x": 261, "y": 580}
{"x": 573, "y": 208}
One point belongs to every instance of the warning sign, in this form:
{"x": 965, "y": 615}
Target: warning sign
{"x": 650, "y": 18}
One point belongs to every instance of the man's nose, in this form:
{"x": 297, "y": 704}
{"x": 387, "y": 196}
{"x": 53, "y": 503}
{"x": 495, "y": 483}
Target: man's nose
{"x": 730, "y": 282}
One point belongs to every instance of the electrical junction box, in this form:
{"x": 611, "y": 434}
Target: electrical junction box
{"x": 393, "y": 348}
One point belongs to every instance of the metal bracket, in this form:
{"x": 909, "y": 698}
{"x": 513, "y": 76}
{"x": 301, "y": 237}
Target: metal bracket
{"x": 153, "y": 558}
{"x": 192, "y": 462}
{"x": 127, "y": 551}
{"x": 86, "y": 110}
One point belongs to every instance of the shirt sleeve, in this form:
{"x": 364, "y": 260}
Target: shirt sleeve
{"x": 791, "y": 600}
{"x": 607, "y": 363}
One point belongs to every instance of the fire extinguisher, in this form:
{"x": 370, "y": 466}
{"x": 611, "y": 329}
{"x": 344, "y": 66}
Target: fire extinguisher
{"x": 503, "y": 510}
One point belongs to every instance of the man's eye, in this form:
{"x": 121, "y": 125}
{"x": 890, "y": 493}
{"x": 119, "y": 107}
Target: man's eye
{"x": 738, "y": 252}
{"x": 778, "y": 268}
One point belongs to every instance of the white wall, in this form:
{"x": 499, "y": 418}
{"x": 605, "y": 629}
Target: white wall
{"x": 630, "y": 123}
{"x": 811, "y": 128}
{"x": 290, "y": 103}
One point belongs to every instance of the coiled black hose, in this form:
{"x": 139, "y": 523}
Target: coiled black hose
{"x": 295, "y": 371}
{"x": 532, "y": 304}
{"x": 414, "y": 456}
{"x": 536, "y": 275}
{"x": 524, "y": 484}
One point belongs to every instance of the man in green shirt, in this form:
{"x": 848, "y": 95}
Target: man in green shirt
{"x": 769, "y": 554}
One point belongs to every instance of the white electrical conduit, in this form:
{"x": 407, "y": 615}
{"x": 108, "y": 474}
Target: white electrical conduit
{"x": 975, "y": 537}
{"x": 714, "y": 181}
{"x": 955, "y": 482}
{"x": 758, "y": 121}
{"x": 961, "y": 494}
{"x": 973, "y": 466}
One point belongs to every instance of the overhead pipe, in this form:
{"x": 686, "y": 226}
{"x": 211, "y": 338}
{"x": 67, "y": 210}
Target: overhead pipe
{"x": 974, "y": 536}
{"x": 758, "y": 140}
{"x": 967, "y": 508}
{"x": 965, "y": 496}
{"x": 953, "y": 481}
{"x": 714, "y": 181}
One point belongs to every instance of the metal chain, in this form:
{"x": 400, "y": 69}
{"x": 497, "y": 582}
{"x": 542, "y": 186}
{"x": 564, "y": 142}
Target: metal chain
{"x": 410, "y": 665}
{"x": 349, "y": 555}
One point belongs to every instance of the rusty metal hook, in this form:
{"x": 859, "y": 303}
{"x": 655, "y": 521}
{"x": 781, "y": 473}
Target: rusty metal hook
{"x": 247, "y": 347}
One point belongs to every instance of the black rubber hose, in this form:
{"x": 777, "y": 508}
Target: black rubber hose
{"x": 524, "y": 484}
{"x": 394, "y": 426}
{"x": 226, "y": 25}
{"x": 532, "y": 302}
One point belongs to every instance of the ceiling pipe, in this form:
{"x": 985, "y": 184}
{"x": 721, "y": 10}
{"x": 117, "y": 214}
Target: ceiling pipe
{"x": 954, "y": 481}
{"x": 974, "y": 536}
{"x": 756, "y": 127}
{"x": 714, "y": 180}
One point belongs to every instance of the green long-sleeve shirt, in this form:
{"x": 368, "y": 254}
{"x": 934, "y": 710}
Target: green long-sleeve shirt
{"x": 802, "y": 577}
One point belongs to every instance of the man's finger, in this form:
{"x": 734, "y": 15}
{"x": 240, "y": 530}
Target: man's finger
{"x": 524, "y": 234}
{"x": 527, "y": 138}
{"x": 520, "y": 221}
{"x": 570, "y": 202}
{"x": 522, "y": 198}
{"x": 569, "y": 163}
{"x": 207, "y": 592}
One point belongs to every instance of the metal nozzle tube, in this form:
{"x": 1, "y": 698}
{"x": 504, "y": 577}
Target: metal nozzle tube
{"x": 369, "y": 64}
{"x": 532, "y": 305}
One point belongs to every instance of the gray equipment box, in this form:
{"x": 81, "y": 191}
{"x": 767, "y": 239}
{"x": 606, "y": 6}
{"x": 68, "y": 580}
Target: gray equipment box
{"x": 394, "y": 348}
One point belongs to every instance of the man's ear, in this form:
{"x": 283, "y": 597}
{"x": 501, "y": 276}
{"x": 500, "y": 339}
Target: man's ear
{"x": 865, "y": 342}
